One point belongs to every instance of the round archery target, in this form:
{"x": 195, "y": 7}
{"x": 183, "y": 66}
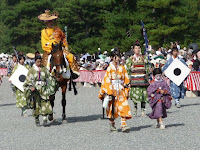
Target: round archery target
{"x": 177, "y": 71}
{"x": 22, "y": 78}
{"x": 19, "y": 76}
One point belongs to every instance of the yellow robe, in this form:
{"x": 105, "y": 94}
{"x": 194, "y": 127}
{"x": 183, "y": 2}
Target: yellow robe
{"x": 108, "y": 87}
{"x": 51, "y": 36}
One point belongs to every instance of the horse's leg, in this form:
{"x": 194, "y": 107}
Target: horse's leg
{"x": 64, "y": 88}
{"x": 51, "y": 98}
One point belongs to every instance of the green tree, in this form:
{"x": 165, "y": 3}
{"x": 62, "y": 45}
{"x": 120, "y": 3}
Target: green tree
{"x": 100, "y": 23}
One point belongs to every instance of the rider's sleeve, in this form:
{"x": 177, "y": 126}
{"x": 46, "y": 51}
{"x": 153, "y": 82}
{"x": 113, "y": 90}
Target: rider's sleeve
{"x": 63, "y": 38}
{"x": 46, "y": 41}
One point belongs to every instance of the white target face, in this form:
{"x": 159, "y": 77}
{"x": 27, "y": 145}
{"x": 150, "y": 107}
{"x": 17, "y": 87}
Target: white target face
{"x": 18, "y": 77}
{"x": 177, "y": 72}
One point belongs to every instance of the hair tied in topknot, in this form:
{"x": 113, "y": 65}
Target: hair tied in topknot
{"x": 137, "y": 43}
{"x": 37, "y": 53}
{"x": 174, "y": 48}
{"x": 115, "y": 52}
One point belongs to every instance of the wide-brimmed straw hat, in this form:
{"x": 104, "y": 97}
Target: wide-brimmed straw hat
{"x": 47, "y": 16}
{"x": 30, "y": 55}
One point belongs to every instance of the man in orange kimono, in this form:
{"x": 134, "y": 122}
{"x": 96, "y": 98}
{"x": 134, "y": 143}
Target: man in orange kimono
{"x": 115, "y": 87}
{"x": 54, "y": 35}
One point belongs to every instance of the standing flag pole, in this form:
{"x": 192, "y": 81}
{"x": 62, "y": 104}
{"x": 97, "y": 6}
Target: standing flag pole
{"x": 66, "y": 32}
{"x": 16, "y": 53}
{"x": 145, "y": 38}
{"x": 146, "y": 41}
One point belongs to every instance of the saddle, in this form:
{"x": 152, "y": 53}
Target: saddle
{"x": 73, "y": 64}
{"x": 69, "y": 59}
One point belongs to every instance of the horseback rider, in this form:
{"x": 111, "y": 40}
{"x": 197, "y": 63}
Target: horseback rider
{"x": 52, "y": 34}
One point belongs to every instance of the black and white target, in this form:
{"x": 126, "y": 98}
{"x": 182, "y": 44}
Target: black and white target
{"x": 18, "y": 77}
{"x": 177, "y": 72}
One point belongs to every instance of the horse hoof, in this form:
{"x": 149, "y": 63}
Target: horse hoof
{"x": 63, "y": 116}
{"x": 50, "y": 117}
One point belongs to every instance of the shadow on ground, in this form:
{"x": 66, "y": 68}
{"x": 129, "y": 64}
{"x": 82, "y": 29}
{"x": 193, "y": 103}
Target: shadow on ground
{"x": 59, "y": 121}
{"x": 140, "y": 128}
{"x": 84, "y": 118}
{"x": 11, "y": 104}
{"x": 175, "y": 125}
{"x": 190, "y": 105}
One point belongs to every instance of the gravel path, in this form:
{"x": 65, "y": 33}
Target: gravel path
{"x": 85, "y": 130}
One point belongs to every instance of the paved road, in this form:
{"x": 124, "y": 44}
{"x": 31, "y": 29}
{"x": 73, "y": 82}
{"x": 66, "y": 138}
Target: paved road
{"x": 85, "y": 130}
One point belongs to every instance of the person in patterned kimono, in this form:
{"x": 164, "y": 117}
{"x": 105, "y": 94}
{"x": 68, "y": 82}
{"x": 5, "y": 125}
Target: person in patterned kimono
{"x": 21, "y": 101}
{"x": 137, "y": 67}
{"x": 159, "y": 98}
{"x": 39, "y": 86}
{"x": 115, "y": 89}
{"x": 176, "y": 91}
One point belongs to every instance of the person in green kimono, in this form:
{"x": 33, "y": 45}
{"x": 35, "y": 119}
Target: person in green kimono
{"x": 39, "y": 86}
{"x": 21, "y": 101}
{"x": 137, "y": 68}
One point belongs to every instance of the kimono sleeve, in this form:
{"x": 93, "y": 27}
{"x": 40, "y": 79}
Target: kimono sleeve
{"x": 128, "y": 64}
{"x": 151, "y": 91}
{"x": 29, "y": 80}
{"x": 51, "y": 83}
{"x": 62, "y": 37}
{"x": 28, "y": 83}
{"x": 166, "y": 89}
{"x": 45, "y": 41}
{"x": 106, "y": 87}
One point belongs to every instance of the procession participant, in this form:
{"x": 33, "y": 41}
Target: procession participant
{"x": 159, "y": 98}
{"x": 196, "y": 63}
{"x": 114, "y": 88}
{"x": 176, "y": 91}
{"x": 30, "y": 59}
{"x": 21, "y": 101}
{"x": 12, "y": 64}
{"x": 52, "y": 34}
{"x": 0, "y": 67}
{"x": 0, "y": 80}
{"x": 138, "y": 71}
{"x": 40, "y": 85}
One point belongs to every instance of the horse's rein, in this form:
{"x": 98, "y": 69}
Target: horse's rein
{"x": 56, "y": 65}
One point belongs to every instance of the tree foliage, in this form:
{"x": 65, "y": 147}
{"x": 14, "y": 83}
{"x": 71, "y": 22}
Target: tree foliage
{"x": 100, "y": 23}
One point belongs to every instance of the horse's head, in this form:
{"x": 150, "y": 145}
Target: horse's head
{"x": 57, "y": 61}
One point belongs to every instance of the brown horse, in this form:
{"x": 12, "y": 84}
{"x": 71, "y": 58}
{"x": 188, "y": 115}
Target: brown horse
{"x": 58, "y": 61}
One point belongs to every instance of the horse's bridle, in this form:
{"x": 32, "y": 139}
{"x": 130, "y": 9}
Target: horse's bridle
{"x": 52, "y": 61}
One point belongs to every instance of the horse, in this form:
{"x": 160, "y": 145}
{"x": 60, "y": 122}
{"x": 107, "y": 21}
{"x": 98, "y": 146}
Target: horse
{"x": 58, "y": 62}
